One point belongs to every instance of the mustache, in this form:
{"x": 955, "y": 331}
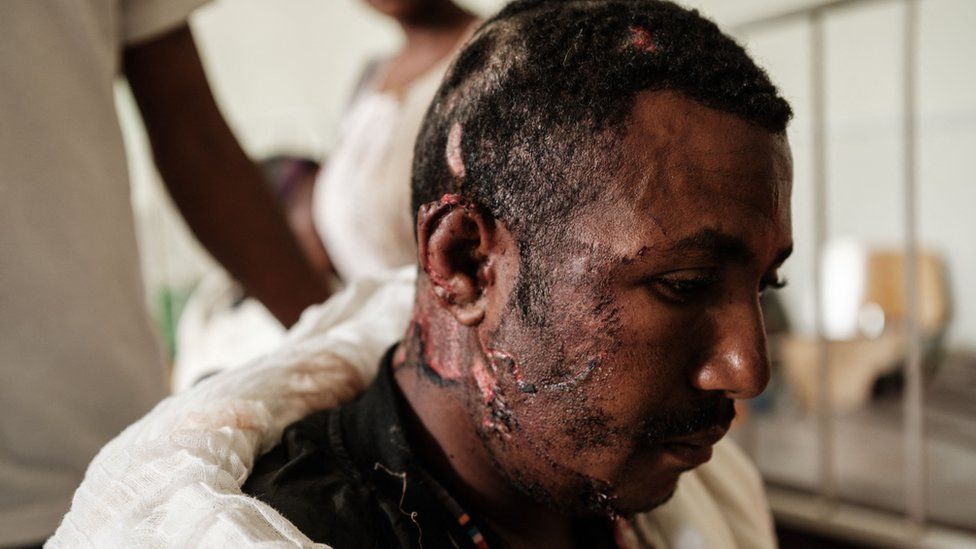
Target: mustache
{"x": 675, "y": 423}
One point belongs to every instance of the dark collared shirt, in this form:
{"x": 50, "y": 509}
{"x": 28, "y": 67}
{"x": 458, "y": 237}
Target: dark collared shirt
{"x": 347, "y": 477}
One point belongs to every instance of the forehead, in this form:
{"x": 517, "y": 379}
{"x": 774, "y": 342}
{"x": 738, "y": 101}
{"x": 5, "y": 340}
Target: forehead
{"x": 684, "y": 167}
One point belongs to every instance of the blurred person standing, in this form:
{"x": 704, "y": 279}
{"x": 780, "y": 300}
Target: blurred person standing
{"x": 360, "y": 202}
{"x": 78, "y": 357}
{"x": 362, "y": 197}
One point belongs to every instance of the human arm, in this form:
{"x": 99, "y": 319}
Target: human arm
{"x": 217, "y": 189}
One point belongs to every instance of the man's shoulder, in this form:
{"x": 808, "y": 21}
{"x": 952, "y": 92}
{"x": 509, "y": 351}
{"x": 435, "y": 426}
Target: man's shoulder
{"x": 309, "y": 480}
{"x": 304, "y": 454}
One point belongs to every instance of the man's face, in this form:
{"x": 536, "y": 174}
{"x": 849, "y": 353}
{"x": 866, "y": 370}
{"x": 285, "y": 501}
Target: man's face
{"x": 650, "y": 320}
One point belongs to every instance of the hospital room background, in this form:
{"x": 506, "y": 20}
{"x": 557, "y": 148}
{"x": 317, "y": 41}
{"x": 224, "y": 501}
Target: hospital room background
{"x": 868, "y": 432}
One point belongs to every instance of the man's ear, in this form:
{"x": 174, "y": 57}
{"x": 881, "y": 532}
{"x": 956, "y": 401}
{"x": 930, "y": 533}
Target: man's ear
{"x": 455, "y": 242}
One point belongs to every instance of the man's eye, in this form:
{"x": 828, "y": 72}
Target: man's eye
{"x": 683, "y": 288}
{"x": 774, "y": 283}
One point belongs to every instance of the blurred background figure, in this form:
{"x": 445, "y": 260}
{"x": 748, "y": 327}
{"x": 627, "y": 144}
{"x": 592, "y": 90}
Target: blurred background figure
{"x": 78, "y": 357}
{"x": 362, "y": 200}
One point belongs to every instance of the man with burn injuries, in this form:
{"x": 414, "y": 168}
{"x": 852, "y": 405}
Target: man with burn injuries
{"x": 602, "y": 193}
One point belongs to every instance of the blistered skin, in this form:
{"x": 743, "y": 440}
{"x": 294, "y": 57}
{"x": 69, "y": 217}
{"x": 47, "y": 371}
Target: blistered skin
{"x": 558, "y": 386}
{"x": 453, "y": 152}
{"x": 574, "y": 412}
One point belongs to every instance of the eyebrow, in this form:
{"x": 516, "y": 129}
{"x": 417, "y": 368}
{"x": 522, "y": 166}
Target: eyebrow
{"x": 723, "y": 246}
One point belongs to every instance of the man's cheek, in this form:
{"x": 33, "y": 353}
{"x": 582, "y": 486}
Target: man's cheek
{"x": 653, "y": 343}
{"x": 579, "y": 432}
{"x": 555, "y": 361}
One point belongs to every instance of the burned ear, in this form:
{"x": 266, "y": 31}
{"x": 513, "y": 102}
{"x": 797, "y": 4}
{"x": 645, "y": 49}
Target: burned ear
{"x": 454, "y": 243}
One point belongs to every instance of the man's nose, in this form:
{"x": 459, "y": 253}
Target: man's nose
{"x": 738, "y": 364}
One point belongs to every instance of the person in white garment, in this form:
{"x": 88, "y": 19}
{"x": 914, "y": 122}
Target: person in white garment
{"x": 362, "y": 195}
{"x": 80, "y": 359}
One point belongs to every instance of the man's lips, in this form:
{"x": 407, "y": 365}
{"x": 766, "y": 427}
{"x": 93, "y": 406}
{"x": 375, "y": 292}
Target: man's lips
{"x": 694, "y": 449}
{"x": 705, "y": 437}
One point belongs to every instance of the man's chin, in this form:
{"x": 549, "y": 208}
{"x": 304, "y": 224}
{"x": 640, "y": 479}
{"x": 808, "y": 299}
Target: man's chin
{"x": 644, "y": 505}
{"x": 593, "y": 500}
{"x": 652, "y": 490}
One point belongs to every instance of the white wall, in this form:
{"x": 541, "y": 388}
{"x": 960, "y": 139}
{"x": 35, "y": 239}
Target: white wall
{"x": 283, "y": 70}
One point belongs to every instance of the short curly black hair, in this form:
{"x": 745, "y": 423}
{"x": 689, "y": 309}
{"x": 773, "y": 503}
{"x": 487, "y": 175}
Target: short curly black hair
{"x": 545, "y": 86}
